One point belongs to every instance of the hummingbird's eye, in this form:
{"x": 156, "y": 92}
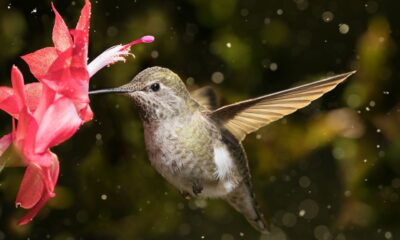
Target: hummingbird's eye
{"x": 155, "y": 87}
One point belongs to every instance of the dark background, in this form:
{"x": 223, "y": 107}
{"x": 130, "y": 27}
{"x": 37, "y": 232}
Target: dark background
{"x": 329, "y": 171}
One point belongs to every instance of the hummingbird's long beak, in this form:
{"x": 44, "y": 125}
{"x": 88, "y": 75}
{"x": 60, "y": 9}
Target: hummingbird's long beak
{"x": 111, "y": 90}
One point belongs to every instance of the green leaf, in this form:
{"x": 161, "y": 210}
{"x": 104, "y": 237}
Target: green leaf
{"x": 11, "y": 158}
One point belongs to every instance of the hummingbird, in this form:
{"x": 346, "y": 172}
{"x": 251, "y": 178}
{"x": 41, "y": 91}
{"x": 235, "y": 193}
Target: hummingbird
{"x": 196, "y": 146}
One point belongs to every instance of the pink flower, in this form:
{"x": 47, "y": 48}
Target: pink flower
{"x": 51, "y": 111}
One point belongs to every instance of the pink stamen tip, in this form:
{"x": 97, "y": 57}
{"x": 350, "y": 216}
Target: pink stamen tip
{"x": 144, "y": 39}
{"x": 147, "y": 39}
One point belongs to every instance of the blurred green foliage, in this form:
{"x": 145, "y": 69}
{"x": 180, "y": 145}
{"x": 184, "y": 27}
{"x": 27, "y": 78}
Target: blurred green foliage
{"x": 329, "y": 171}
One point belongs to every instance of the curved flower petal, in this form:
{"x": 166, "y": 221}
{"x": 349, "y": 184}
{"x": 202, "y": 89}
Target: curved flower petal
{"x": 31, "y": 188}
{"x": 8, "y": 102}
{"x": 84, "y": 19}
{"x": 61, "y": 36}
{"x": 48, "y": 177}
{"x": 18, "y": 85}
{"x": 67, "y": 79}
{"x": 40, "y": 61}
{"x": 5, "y": 142}
{"x": 47, "y": 98}
{"x": 61, "y": 120}
{"x": 31, "y": 213}
{"x": 33, "y": 92}
{"x": 84, "y": 111}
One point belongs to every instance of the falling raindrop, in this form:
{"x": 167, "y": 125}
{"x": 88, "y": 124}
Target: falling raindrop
{"x": 190, "y": 81}
{"x": 217, "y": 77}
{"x": 372, "y": 103}
{"x": 228, "y": 45}
{"x": 344, "y": 28}
{"x": 308, "y": 209}
{"x": 388, "y": 235}
{"x": 304, "y": 182}
{"x": 273, "y": 67}
{"x": 34, "y": 10}
{"x": 327, "y": 16}
{"x": 154, "y": 54}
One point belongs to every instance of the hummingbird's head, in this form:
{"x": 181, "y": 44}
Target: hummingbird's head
{"x": 158, "y": 94}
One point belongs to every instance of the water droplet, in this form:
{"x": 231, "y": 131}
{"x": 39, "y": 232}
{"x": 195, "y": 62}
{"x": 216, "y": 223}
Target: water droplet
{"x": 378, "y": 130}
{"x": 308, "y": 209}
{"x": 388, "y": 235}
{"x": 98, "y": 137}
{"x": 386, "y": 92}
{"x": 344, "y": 28}
{"x": 9, "y": 6}
{"x": 322, "y": 232}
{"x": 244, "y": 12}
{"x": 104, "y": 197}
{"x": 372, "y": 103}
{"x": 267, "y": 20}
{"x": 279, "y": 11}
{"x": 327, "y": 16}
{"x": 304, "y": 182}
{"x": 302, "y": 212}
{"x": 273, "y": 67}
{"x": 217, "y": 77}
{"x": 228, "y": 45}
{"x": 371, "y": 7}
{"x": 190, "y": 81}
{"x": 34, "y": 10}
{"x": 347, "y": 193}
{"x": 289, "y": 219}
{"x": 154, "y": 54}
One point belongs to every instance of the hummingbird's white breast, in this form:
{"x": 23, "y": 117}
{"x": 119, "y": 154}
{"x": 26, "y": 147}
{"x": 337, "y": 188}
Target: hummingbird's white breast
{"x": 188, "y": 150}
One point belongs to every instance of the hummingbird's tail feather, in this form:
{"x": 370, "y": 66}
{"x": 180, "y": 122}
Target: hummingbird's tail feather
{"x": 243, "y": 200}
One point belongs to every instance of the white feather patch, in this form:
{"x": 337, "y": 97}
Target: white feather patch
{"x": 223, "y": 161}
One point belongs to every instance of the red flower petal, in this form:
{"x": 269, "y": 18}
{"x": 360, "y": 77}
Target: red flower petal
{"x": 8, "y": 103}
{"x": 61, "y": 120}
{"x": 61, "y": 36}
{"x": 67, "y": 79}
{"x": 48, "y": 177}
{"x": 84, "y": 19}
{"x": 40, "y": 61}
{"x": 47, "y": 98}
{"x": 18, "y": 85}
{"x": 33, "y": 92}
{"x": 5, "y": 141}
{"x": 31, "y": 188}
{"x": 31, "y": 213}
{"x": 85, "y": 112}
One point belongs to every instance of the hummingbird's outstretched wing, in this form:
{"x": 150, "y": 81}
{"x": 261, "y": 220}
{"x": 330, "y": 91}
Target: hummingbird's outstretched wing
{"x": 248, "y": 116}
{"x": 207, "y": 97}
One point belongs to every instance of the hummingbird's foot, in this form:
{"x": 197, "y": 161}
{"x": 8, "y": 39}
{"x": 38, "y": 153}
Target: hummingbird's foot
{"x": 186, "y": 195}
{"x": 197, "y": 188}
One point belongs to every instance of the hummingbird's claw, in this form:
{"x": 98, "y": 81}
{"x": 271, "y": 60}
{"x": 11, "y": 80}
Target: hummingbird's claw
{"x": 186, "y": 195}
{"x": 197, "y": 188}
